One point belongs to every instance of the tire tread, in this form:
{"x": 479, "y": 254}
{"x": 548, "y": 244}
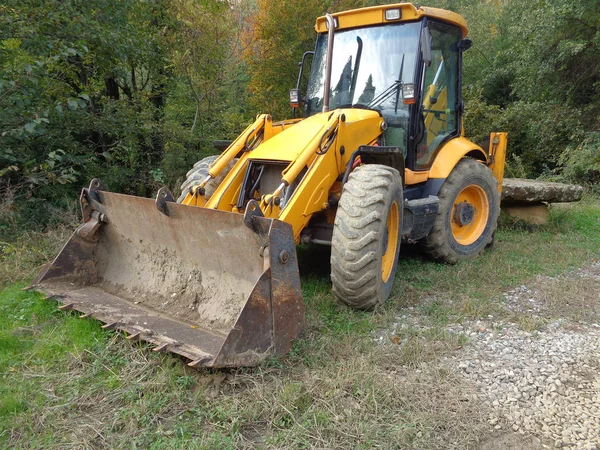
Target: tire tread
{"x": 199, "y": 172}
{"x": 437, "y": 244}
{"x": 359, "y": 224}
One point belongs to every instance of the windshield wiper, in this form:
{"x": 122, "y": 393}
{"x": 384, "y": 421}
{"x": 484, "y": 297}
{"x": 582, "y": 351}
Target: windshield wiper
{"x": 353, "y": 105}
{"x": 400, "y": 81}
{"x": 394, "y": 88}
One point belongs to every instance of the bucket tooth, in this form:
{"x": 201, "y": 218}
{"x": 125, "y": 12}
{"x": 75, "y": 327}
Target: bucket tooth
{"x": 110, "y": 326}
{"x": 86, "y": 315}
{"x": 134, "y": 336}
{"x": 66, "y": 306}
{"x": 199, "y": 362}
{"x": 161, "y": 347}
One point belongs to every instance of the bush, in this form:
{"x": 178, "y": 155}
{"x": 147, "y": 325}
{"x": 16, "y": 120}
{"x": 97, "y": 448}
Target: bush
{"x": 581, "y": 163}
{"x": 538, "y": 132}
{"x": 480, "y": 118}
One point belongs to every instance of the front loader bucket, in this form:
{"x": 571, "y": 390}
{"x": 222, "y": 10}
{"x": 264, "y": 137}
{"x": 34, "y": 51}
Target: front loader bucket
{"x": 219, "y": 288}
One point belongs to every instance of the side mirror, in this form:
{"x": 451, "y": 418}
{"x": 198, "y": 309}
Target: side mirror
{"x": 426, "y": 46}
{"x": 465, "y": 45}
{"x": 296, "y": 94}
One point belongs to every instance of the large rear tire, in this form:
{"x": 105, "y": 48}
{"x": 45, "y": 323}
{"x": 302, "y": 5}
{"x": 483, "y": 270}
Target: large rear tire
{"x": 468, "y": 214}
{"x": 198, "y": 173}
{"x": 366, "y": 236}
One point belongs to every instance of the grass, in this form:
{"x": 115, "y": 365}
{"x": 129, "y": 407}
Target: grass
{"x": 66, "y": 383}
{"x": 520, "y": 252}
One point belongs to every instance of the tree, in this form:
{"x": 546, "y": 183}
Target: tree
{"x": 276, "y": 38}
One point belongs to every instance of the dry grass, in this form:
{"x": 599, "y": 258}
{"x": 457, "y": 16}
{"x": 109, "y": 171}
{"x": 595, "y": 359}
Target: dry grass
{"x": 363, "y": 396}
{"x": 65, "y": 383}
{"x": 22, "y": 258}
{"x": 573, "y": 295}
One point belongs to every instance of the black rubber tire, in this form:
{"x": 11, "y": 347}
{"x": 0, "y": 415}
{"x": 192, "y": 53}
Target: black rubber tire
{"x": 359, "y": 236}
{"x": 199, "y": 172}
{"x": 440, "y": 244}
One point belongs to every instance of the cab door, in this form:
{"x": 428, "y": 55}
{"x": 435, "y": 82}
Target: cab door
{"x": 439, "y": 113}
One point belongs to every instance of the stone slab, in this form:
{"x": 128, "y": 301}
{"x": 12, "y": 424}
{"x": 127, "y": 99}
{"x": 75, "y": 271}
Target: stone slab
{"x": 535, "y": 213}
{"x": 520, "y": 190}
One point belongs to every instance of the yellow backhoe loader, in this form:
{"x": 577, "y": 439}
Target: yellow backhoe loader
{"x": 377, "y": 157}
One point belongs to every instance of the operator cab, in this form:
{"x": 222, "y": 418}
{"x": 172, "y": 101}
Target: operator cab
{"x": 402, "y": 61}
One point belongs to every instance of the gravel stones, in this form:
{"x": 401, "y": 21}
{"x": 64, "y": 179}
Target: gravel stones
{"x": 536, "y": 366}
{"x": 545, "y": 383}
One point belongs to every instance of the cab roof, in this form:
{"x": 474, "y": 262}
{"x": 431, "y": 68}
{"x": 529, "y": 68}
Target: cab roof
{"x": 375, "y": 15}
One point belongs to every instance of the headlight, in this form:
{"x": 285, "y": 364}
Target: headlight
{"x": 408, "y": 93}
{"x": 295, "y": 97}
{"x": 393, "y": 14}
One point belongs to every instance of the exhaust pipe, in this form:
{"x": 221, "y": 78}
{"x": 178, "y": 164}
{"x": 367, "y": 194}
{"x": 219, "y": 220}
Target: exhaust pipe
{"x": 328, "y": 61}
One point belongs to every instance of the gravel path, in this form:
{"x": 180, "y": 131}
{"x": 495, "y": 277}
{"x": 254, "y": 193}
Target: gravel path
{"x": 535, "y": 368}
{"x": 544, "y": 383}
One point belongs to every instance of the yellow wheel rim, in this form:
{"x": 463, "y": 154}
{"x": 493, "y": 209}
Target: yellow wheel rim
{"x": 391, "y": 246}
{"x": 469, "y": 215}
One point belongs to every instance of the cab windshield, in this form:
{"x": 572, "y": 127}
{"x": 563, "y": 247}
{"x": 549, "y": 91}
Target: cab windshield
{"x": 368, "y": 69}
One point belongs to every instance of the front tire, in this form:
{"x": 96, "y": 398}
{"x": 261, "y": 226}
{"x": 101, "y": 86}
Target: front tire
{"x": 199, "y": 172}
{"x": 366, "y": 236}
{"x": 468, "y": 214}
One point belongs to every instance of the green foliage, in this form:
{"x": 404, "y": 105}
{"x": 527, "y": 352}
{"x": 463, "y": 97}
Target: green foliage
{"x": 539, "y": 132}
{"x": 479, "y": 118}
{"x": 106, "y": 89}
{"x": 134, "y": 92}
{"x": 79, "y": 88}
{"x": 582, "y": 162}
{"x": 535, "y": 75}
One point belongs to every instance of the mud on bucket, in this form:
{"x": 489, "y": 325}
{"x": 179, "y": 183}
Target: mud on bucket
{"x": 197, "y": 282}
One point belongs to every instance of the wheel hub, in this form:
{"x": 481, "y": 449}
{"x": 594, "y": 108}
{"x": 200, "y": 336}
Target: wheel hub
{"x": 464, "y": 213}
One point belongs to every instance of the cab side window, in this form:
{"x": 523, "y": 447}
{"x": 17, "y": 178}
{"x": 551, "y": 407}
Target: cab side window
{"x": 440, "y": 95}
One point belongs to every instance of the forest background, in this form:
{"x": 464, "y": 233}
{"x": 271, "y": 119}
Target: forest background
{"x": 134, "y": 92}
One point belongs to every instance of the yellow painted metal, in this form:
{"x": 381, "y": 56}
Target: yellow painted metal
{"x": 389, "y": 256}
{"x": 451, "y": 153}
{"x": 288, "y": 145}
{"x": 300, "y": 146}
{"x": 497, "y": 153}
{"x": 262, "y": 122}
{"x": 361, "y": 127}
{"x": 411, "y": 177}
{"x": 476, "y": 197}
{"x": 226, "y": 195}
{"x": 262, "y": 130}
{"x": 376, "y": 15}
{"x": 278, "y": 127}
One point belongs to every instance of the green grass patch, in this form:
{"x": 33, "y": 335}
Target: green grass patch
{"x": 469, "y": 289}
{"x": 65, "y": 382}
